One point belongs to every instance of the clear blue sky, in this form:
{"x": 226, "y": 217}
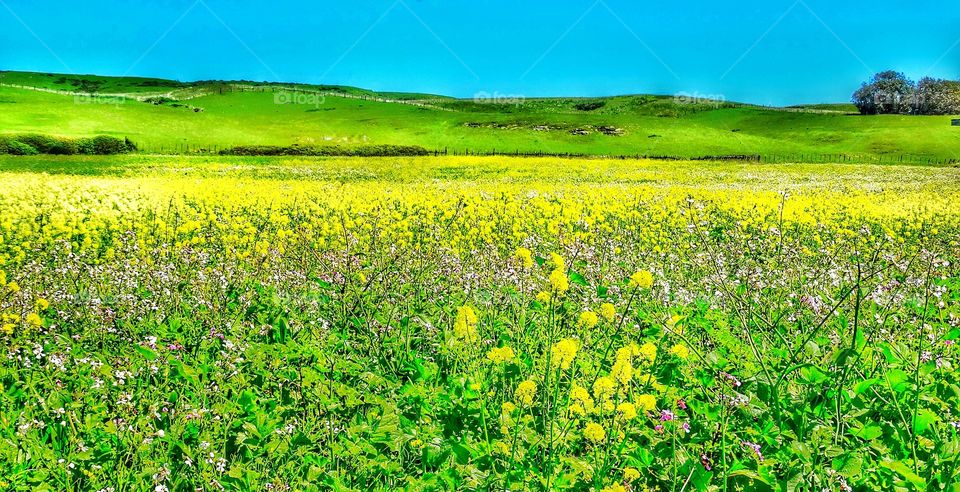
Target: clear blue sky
{"x": 762, "y": 51}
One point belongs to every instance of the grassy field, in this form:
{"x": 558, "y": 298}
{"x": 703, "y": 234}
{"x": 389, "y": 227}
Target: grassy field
{"x": 184, "y": 323}
{"x": 625, "y": 125}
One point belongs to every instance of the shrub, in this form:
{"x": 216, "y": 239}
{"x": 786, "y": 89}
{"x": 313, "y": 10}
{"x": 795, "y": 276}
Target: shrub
{"x": 590, "y": 105}
{"x": 46, "y": 144}
{"x": 32, "y": 144}
{"x": 104, "y": 145}
{"x": 15, "y": 147}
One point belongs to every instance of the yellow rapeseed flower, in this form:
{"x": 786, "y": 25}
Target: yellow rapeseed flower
{"x": 42, "y": 304}
{"x": 543, "y": 297}
{"x": 627, "y": 410}
{"x": 465, "y": 326}
{"x": 622, "y": 371}
{"x": 647, "y": 403}
{"x": 525, "y": 257}
{"x": 608, "y": 311}
{"x": 563, "y": 353}
{"x": 680, "y": 351}
{"x": 498, "y": 355}
{"x": 630, "y": 474}
{"x": 580, "y": 401}
{"x": 34, "y": 320}
{"x": 649, "y": 352}
{"x": 525, "y": 392}
{"x": 614, "y": 487}
{"x": 642, "y": 279}
{"x": 594, "y": 432}
{"x": 588, "y": 319}
{"x": 604, "y": 388}
{"x": 557, "y": 262}
{"x": 559, "y": 281}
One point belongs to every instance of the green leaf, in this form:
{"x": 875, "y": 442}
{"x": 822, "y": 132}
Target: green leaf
{"x": 869, "y": 432}
{"x": 146, "y": 353}
{"x": 578, "y": 279}
{"x": 923, "y": 420}
{"x": 462, "y": 452}
{"x": 905, "y": 471}
{"x": 812, "y": 375}
{"x": 864, "y": 385}
{"x": 897, "y": 380}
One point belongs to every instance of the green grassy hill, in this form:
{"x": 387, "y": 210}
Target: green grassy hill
{"x": 168, "y": 115}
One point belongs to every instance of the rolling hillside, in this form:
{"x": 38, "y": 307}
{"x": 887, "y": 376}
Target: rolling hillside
{"x": 163, "y": 116}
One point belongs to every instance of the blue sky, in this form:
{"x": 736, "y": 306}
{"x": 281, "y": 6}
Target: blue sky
{"x": 761, "y": 51}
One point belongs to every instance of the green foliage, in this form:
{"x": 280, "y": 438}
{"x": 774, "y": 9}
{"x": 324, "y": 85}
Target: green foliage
{"x": 32, "y": 144}
{"x": 16, "y": 147}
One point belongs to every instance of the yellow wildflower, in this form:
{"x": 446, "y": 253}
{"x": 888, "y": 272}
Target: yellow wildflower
{"x": 594, "y": 433}
{"x": 564, "y": 352}
{"x": 13, "y": 287}
{"x": 647, "y": 403}
{"x": 465, "y": 327}
{"x": 603, "y": 388}
{"x": 34, "y": 320}
{"x": 557, "y": 262}
{"x": 627, "y": 410}
{"x": 42, "y": 304}
{"x": 588, "y": 319}
{"x": 508, "y": 407}
{"x": 608, "y": 311}
{"x": 642, "y": 279}
{"x": 580, "y": 401}
{"x": 622, "y": 371}
{"x": 559, "y": 281}
{"x": 630, "y": 474}
{"x": 524, "y": 257}
{"x": 498, "y": 355}
{"x": 525, "y": 392}
{"x": 649, "y": 352}
{"x": 543, "y": 297}
{"x": 680, "y": 351}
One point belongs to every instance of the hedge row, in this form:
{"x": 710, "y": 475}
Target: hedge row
{"x": 332, "y": 150}
{"x": 33, "y": 144}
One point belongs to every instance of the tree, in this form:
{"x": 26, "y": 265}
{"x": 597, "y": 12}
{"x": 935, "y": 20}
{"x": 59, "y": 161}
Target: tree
{"x": 937, "y": 96}
{"x": 888, "y": 92}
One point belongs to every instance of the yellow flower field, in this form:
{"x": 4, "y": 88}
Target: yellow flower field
{"x": 477, "y": 324}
